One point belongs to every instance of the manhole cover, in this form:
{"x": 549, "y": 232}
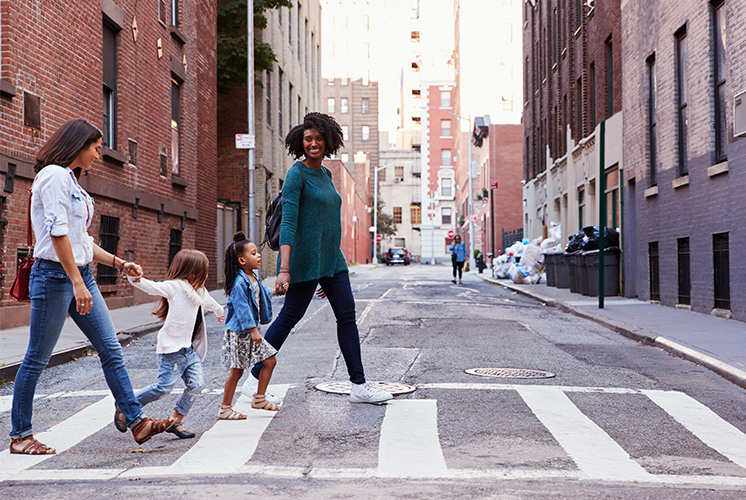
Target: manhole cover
{"x": 344, "y": 387}
{"x": 509, "y": 373}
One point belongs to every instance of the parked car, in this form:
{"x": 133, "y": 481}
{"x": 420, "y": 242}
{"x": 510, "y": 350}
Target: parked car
{"x": 397, "y": 255}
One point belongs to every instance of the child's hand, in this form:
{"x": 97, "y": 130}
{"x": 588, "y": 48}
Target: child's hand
{"x": 256, "y": 337}
{"x": 320, "y": 293}
{"x": 221, "y": 319}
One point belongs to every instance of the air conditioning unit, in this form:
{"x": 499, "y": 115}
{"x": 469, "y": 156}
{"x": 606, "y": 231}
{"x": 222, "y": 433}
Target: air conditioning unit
{"x": 739, "y": 114}
{"x": 396, "y": 179}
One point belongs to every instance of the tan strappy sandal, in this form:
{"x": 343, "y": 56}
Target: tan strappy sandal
{"x": 32, "y": 447}
{"x": 260, "y": 403}
{"x": 226, "y": 412}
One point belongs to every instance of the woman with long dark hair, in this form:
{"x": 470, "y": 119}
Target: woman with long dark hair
{"x": 62, "y": 283}
{"x": 310, "y": 253}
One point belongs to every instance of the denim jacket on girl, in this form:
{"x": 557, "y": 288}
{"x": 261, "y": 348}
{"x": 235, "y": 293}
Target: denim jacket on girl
{"x": 243, "y": 311}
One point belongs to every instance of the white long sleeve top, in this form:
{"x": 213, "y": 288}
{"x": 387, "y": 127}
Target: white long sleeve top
{"x": 183, "y": 303}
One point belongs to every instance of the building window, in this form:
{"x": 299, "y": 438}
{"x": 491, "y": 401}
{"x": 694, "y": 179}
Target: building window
{"x": 445, "y": 215}
{"x": 344, "y": 81}
{"x": 366, "y": 78}
{"x": 366, "y": 50}
{"x": 108, "y": 240}
{"x": 592, "y": 78}
{"x": 445, "y": 98}
{"x": 653, "y": 271}
{"x": 579, "y": 14}
{"x": 345, "y": 157}
{"x": 366, "y": 132}
{"x": 415, "y": 67}
{"x": 343, "y": 105}
{"x": 162, "y": 14}
{"x": 719, "y": 47}
{"x": 415, "y": 36}
{"x": 268, "y": 99}
{"x": 290, "y": 26}
{"x": 612, "y": 197}
{"x": 366, "y": 22}
{"x": 279, "y": 102}
{"x": 290, "y": 105}
{"x": 609, "y": 79}
{"x": 345, "y": 132}
{"x": 397, "y": 215}
{"x": 174, "y": 245}
{"x": 652, "y": 122}
{"x": 399, "y": 173}
{"x": 133, "y": 152}
{"x": 175, "y": 127}
{"x": 445, "y": 128}
{"x": 445, "y": 157}
{"x": 681, "y": 100}
{"x": 446, "y": 187}
{"x": 330, "y": 105}
{"x": 579, "y": 99}
{"x": 721, "y": 268}
{"x": 581, "y": 207}
{"x": 175, "y": 13}
{"x": 365, "y": 105}
{"x": 110, "y": 87}
{"x": 415, "y": 214}
{"x": 685, "y": 282}
{"x": 382, "y": 175}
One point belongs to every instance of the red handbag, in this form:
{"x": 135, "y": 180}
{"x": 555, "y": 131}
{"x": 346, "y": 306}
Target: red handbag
{"x": 19, "y": 291}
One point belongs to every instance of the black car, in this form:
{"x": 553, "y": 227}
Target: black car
{"x": 397, "y": 255}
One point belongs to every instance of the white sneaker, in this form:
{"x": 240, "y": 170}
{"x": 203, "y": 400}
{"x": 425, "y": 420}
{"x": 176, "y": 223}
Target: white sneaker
{"x": 363, "y": 393}
{"x": 250, "y": 387}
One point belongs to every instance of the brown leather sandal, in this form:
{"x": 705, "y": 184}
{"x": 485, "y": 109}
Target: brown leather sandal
{"x": 260, "y": 403}
{"x": 33, "y": 447}
{"x": 148, "y": 427}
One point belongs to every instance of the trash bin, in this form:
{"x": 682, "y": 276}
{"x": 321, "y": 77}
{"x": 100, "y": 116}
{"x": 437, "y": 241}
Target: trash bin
{"x": 574, "y": 272}
{"x": 583, "y": 288}
{"x": 550, "y": 267}
{"x": 611, "y": 272}
{"x": 561, "y": 270}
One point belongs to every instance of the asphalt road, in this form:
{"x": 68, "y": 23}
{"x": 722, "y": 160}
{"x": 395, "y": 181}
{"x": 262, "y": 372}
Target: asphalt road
{"x": 618, "y": 419}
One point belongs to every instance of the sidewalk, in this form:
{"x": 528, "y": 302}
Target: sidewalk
{"x": 716, "y": 343}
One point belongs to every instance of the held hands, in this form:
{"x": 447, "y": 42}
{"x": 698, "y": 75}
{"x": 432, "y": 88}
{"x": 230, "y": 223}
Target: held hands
{"x": 282, "y": 283}
{"x": 83, "y": 299}
{"x": 256, "y": 337}
{"x": 221, "y": 318}
{"x": 320, "y": 293}
{"x": 132, "y": 269}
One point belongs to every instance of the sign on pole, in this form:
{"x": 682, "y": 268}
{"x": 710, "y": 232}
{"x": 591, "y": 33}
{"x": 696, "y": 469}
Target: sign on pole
{"x": 493, "y": 185}
{"x": 245, "y": 141}
{"x": 451, "y": 234}
{"x": 379, "y": 238}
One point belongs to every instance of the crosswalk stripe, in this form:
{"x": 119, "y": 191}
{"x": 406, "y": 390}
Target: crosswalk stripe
{"x": 62, "y": 436}
{"x": 594, "y": 451}
{"x": 67, "y": 474}
{"x": 514, "y": 387}
{"x": 5, "y": 403}
{"x": 409, "y": 444}
{"x": 224, "y": 448}
{"x": 703, "y": 423}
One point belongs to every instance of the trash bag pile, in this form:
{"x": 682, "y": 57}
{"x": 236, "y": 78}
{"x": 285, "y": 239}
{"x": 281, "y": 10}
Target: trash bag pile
{"x": 522, "y": 262}
{"x": 587, "y": 239}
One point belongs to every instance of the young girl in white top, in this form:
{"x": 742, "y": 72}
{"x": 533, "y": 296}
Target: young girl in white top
{"x": 182, "y": 341}
{"x": 249, "y": 305}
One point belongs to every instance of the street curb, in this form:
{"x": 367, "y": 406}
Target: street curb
{"x": 8, "y": 372}
{"x": 725, "y": 370}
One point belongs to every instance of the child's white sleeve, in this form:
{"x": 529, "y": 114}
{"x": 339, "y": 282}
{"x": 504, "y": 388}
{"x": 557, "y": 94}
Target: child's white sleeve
{"x": 161, "y": 289}
{"x": 213, "y": 305}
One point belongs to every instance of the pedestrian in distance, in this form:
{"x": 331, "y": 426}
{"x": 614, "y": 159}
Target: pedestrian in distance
{"x": 182, "y": 340}
{"x": 458, "y": 256}
{"x": 249, "y": 306}
{"x": 62, "y": 283}
{"x": 310, "y": 253}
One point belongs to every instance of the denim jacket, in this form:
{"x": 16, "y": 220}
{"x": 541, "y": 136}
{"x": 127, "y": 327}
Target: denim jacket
{"x": 459, "y": 250}
{"x": 243, "y": 311}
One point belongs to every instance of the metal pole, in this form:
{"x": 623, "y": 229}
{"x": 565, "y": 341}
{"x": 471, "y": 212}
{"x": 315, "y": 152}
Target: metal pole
{"x": 471, "y": 206}
{"x": 375, "y": 215}
{"x": 253, "y": 229}
{"x": 492, "y": 220}
{"x": 602, "y": 216}
{"x": 431, "y": 211}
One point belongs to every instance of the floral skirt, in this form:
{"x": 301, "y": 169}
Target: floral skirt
{"x": 239, "y": 351}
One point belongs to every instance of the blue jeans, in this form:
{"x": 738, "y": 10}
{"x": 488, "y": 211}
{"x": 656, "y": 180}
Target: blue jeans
{"x": 52, "y": 299}
{"x": 172, "y": 366}
{"x": 339, "y": 294}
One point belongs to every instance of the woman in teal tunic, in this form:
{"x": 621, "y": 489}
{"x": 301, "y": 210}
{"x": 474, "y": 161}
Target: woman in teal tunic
{"x": 310, "y": 253}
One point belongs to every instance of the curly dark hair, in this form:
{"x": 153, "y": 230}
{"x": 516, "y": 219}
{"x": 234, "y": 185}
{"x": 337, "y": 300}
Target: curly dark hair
{"x": 325, "y": 124}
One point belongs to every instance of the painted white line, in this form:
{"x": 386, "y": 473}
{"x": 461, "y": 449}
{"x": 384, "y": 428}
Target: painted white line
{"x": 703, "y": 423}
{"x": 6, "y": 402}
{"x": 595, "y": 452}
{"x": 62, "y": 436}
{"x": 515, "y": 387}
{"x": 224, "y": 448}
{"x": 370, "y": 306}
{"x": 409, "y": 445}
{"x": 67, "y": 474}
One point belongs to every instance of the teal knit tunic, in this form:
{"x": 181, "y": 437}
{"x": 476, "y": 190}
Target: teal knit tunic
{"x": 311, "y": 224}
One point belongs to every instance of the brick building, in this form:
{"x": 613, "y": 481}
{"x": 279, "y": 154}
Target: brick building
{"x": 287, "y": 93}
{"x": 683, "y": 75}
{"x": 572, "y": 83}
{"x": 355, "y": 243}
{"x": 145, "y": 74}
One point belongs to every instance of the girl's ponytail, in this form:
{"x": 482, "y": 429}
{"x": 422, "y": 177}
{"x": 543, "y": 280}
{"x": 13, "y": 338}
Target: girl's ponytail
{"x": 231, "y": 259}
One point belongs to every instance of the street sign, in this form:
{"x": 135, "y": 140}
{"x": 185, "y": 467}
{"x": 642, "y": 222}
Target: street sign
{"x": 379, "y": 238}
{"x": 473, "y": 218}
{"x": 493, "y": 185}
{"x": 245, "y": 141}
{"x": 451, "y": 234}
{"x": 372, "y": 229}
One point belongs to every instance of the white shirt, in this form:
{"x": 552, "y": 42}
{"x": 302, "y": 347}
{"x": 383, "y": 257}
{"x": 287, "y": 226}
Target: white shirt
{"x": 60, "y": 207}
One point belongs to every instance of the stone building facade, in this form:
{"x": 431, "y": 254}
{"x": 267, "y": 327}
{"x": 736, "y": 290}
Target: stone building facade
{"x": 145, "y": 74}
{"x": 400, "y": 187}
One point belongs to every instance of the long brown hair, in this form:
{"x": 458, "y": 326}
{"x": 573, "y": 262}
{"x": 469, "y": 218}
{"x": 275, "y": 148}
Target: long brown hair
{"x": 66, "y": 144}
{"x": 190, "y": 265}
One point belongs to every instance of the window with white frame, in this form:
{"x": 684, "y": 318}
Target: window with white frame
{"x": 330, "y": 105}
{"x": 365, "y": 105}
{"x": 446, "y": 187}
{"x": 445, "y": 98}
{"x": 445, "y": 215}
{"x": 445, "y": 157}
{"x": 345, "y": 131}
{"x": 445, "y": 128}
{"x": 399, "y": 173}
{"x": 343, "y": 105}
{"x": 366, "y": 132}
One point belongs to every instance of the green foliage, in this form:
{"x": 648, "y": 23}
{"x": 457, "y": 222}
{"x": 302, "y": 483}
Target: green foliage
{"x": 232, "y": 58}
{"x": 386, "y": 225}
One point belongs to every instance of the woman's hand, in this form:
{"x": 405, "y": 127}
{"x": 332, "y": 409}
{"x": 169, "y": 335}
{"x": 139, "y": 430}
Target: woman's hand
{"x": 256, "y": 337}
{"x": 282, "y": 283}
{"x": 132, "y": 269}
{"x": 83, "y": 299}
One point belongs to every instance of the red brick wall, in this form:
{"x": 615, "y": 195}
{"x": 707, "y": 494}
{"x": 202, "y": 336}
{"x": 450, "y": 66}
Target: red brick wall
{"x": 355, "y": 236}
{"x": 506, "y": 166}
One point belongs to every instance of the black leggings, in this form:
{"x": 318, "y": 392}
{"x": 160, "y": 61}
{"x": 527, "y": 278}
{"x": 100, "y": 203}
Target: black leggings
{"x": 457, "y": 266}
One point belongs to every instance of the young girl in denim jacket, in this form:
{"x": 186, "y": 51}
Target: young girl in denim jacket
{"x": 249, "y": 305}
{"x": 182, "y": 341}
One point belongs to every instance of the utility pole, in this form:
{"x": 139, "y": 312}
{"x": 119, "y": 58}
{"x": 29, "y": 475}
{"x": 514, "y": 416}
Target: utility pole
{"x": 252, "y": 226}
{"x": 471, "y": 202}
